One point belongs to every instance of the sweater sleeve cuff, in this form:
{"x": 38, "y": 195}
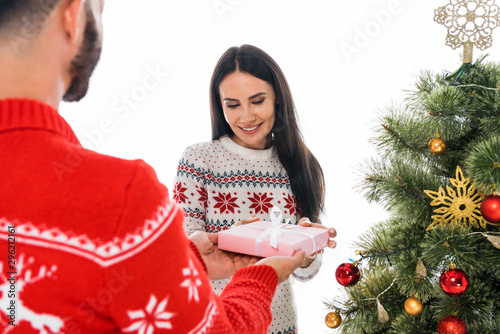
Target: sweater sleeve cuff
{"x": 263, "y": 273}
{"x": 305, "y": 274}
{"x": 197, "y": 254}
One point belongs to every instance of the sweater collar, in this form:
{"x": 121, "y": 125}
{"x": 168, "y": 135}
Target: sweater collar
{"x": 246, "y": 152}
{"x": 21, "y": 113}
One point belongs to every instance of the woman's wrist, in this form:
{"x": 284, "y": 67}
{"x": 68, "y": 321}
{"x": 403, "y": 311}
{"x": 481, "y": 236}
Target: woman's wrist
{"x": 307, "y": 261}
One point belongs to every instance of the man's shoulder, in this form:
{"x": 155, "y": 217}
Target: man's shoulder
{"x": 106, "y": 167}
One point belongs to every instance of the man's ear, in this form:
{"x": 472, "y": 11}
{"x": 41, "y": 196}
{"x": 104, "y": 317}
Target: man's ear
{"x": 73, "y": 19}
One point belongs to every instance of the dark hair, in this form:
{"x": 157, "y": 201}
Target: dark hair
{"x": 25, "y": 17}
{"x": 304, "y": 170}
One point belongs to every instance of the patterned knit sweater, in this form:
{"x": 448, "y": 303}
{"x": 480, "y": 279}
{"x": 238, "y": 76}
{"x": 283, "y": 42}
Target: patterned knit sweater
{"x": 219, "y": 183}
{"x": 93, "y": 244}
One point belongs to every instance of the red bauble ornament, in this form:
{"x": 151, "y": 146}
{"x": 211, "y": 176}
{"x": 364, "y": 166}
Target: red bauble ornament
{"x": 452, "y": 325}
{"x": 347, "y": 274}
{"x": 454, "y": 282}
{"x": 490, "y": 209}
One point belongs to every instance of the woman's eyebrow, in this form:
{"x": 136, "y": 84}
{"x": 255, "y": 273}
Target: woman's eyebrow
{"x": 251, "y": 97}
{"x": 255, "y": 95}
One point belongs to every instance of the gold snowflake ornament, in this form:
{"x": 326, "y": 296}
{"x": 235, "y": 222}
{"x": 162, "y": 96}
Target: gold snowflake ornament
{"x": 470, "y": 23}
{"x": 458, "y": 207}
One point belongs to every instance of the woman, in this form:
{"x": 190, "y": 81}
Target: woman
{"x": 256, "y": 160}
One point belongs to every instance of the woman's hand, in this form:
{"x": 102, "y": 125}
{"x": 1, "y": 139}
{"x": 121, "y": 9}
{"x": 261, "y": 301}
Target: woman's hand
{"x": 251, "y": 219}
{"x": 331, "y": 243}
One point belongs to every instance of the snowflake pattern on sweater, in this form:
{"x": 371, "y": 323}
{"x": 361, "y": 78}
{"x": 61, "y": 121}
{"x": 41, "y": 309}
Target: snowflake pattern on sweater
{"x": 219, "y": 183}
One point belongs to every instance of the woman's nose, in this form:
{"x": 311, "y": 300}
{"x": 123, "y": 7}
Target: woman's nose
{"x": 247, "y": 114}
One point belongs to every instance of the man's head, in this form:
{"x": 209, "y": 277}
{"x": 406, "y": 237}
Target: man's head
{"x": 28, "y": 27}
{"x": 25, "y": 17}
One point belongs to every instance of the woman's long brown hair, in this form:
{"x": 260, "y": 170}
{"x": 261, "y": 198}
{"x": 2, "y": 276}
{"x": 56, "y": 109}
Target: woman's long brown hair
{"x": 304, "y": 170}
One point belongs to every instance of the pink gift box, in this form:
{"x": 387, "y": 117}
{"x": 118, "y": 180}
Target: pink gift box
{"x": 255, "y": 239}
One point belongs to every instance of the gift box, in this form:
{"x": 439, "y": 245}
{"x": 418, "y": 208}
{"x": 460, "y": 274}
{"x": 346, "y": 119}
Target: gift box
{"x": 271, "y": 238}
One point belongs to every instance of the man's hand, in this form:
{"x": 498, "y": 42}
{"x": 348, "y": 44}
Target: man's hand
{"x": 220, "y": 264}
{"x": 284, "y": 265}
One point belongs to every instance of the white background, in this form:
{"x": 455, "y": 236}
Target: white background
{"x": 344, "y": 60}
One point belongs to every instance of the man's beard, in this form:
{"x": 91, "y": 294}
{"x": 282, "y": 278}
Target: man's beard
{"x": 85, "y": 61}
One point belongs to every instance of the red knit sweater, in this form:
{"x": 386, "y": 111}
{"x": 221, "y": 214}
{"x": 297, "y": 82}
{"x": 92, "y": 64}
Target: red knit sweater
{"x": 92, "y": 244}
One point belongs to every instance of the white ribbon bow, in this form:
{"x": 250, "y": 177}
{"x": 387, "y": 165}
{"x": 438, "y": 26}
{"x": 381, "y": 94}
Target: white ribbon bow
{"x": 277, "y": 229}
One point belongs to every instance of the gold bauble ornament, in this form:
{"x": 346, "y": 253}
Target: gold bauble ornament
{"x": 333, "y": 320}
{"x": 437, "y": 145}
{"x": 413, "y": 306}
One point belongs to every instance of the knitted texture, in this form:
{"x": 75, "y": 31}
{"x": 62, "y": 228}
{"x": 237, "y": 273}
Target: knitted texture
{"x": 219, "y": 183}
{"x": 95, "y": 245}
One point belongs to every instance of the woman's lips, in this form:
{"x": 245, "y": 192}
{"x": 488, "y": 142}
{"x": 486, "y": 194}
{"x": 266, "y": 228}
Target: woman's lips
{"x": 250, "y": 129}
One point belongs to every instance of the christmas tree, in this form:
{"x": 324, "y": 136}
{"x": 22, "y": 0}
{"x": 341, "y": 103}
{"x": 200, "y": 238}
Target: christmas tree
{"x": 434, "y": 265}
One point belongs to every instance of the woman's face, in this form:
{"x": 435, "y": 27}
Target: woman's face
{"x": 248, "y": 104}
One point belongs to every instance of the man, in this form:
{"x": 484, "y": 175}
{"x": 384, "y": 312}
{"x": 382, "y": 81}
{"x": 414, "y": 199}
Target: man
{"x": 99, "y": 248}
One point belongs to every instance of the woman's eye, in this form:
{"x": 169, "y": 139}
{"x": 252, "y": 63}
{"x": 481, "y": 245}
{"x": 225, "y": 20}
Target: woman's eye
{"x": 232, "y": 106}
{"x": 258, "y": 102}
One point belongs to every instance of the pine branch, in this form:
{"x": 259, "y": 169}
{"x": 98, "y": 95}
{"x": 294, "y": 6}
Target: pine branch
{"x": 483, "y": 164}
{"x": 466, "y": 113}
